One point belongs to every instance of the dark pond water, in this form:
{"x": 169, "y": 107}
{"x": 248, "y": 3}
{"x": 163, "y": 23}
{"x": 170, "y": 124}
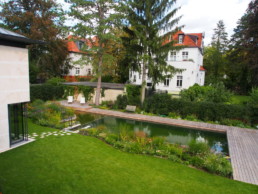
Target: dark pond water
{"x": 172, "y": 134}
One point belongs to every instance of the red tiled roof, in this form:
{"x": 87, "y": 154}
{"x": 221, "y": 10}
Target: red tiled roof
{"x": 72, "y": 47}
{"x": 190, "y": 39}
{"x": 202, "y": 68}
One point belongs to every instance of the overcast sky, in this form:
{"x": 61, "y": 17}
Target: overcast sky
{"x": 203, "y": 15}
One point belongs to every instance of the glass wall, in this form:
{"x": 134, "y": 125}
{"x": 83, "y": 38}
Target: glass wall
{"x": 17, "y": 123}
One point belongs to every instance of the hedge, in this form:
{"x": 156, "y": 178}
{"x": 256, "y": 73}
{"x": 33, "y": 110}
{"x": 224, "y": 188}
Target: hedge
{"x": 163, "y": 104}
{"x": 46, "y": 92}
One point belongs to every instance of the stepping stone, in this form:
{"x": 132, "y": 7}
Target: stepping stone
{"x": 69, "y": 134}
{"x": 62, "y": 134}
{"x": 35, "y": 135}
{"x": 55, "y": 134}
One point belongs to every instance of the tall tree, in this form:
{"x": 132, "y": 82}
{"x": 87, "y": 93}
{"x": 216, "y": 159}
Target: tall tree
{"x": 97, "y": 18}
{"x": 242, "y": 68}
{"x": 214, "y": 55}
{"x": 148, "y": 19}
{"x": 39, "y": 20}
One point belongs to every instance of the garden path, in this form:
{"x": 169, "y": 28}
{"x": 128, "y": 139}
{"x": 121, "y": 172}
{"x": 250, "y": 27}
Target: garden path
{"x": 242, "y": 143}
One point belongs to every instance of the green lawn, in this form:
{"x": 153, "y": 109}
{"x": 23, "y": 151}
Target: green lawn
{"x": 80, "y": 164}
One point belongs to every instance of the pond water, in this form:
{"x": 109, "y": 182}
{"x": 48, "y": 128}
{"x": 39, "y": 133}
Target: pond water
{"x": 172, "y": 134}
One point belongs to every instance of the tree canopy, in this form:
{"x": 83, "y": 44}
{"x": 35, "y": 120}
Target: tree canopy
{"x": 151, "y": 24}
{"x": 39, "y": 20}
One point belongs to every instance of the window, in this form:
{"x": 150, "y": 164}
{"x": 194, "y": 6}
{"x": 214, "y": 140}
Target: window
{"x": 77, "y": 71}
{"x": 166, "y": 82}
{"x": 139, "y": 75}
{"x": 134, "y": 78}
{"x": 185, "y": 55}
{"x": 173, "y": 56}
{"x": 17, "y": 123}
{"x": 79, "y": 44}
{"x": 179, "y": 81}
{"x": 89, "y": 71}
{"x": 180, "y": 39}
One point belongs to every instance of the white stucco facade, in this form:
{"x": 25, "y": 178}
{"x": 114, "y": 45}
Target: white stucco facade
{"x": 14, "y": 85}
{"x": 189, "y": 60}
{"x": 79, "y": 69}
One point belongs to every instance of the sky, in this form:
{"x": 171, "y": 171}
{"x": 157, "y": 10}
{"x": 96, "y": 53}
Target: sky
{"x": 203, "y": 15}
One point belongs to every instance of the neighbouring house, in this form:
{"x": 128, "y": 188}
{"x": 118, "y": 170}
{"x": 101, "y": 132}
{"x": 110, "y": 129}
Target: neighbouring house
{"x": 190, "y": 59}
{"x": 79, "y": 71}
{"x": 14, "y": 88}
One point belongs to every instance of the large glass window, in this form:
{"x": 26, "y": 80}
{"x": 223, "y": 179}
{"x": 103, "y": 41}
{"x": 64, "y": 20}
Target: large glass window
{"x": 17, "y": 123}
{"x": 173, "y": 56}
{"x": 166, "y": 82}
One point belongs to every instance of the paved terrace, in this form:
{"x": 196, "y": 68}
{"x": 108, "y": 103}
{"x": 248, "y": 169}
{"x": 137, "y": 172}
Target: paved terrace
{"x": 243, "y": 143}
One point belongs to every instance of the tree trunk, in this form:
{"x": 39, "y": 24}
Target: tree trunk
{"x": 99, "y": 82}
{"x": 143, "y": 82}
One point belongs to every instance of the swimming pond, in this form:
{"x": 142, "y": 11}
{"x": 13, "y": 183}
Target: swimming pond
{"x": 172, "y": 134}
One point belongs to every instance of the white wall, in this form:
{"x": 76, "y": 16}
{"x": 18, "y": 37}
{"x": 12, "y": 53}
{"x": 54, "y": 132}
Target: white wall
{"x": 14, "y": 85}
{"x": 191, "y": 71}
{"x": 83, "y": 67}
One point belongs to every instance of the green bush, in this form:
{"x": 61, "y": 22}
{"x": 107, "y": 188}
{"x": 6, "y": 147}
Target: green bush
{"x": 158, "y": 104}
{"x": 157, "y": 142}
{"x": 200, "y": 148}
{"x": 46, "y": 92}
{"x": 87, "y": 92}
{"x": 232, "y": 122}
{"x": 121, "y": 102}
{"x": 197, "y": 161}
{"x": 133, "y": 93}
{"x": 55, "y": 81}
{"x": 218, "y": 165}
{"x": 214, "y": 93}
{"x": 253, "y": 98}
{"x": 174, "y": 158}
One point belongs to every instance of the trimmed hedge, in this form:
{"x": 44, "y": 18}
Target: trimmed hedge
{"x": 46, "y": 92}
{"x": 163, "y": 104}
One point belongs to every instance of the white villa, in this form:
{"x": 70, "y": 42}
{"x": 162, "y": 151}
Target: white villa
{"x": 75, "y": 53}
{"x": 190, "y": 59}
{"x": 14, "y": 88}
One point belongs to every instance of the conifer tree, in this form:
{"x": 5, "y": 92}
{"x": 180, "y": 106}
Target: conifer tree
{"x": 153, "y": 23}
{"x": 97, "y": 18}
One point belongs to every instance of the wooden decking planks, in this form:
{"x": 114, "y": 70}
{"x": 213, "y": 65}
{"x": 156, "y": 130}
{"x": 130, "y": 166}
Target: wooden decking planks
{"x": 242, "y": 143}
{"x": 243, "y": 150}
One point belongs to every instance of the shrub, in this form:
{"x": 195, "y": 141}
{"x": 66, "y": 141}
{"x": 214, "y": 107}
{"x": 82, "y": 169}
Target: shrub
{"x": 254, "y": 98}
{"x": 191, "y": 118}
{"x": 175, "y": 150}
{"x": 200, "y": 148}
{"x": 157, "y": 142}
{"x": 174, "y": 158}
{"x": 55, "y": 81}
{"x": 173, "y": 115}
{"x": 232, "y": 122}
{"x": 217, "y": 164}
{"x": 197, "y": 161}
{"x": 46, "y": 92}
{"x": 133, "y": 93}
{"x": 158, "y": 104}
{"x": 87, "y": 92}
{"x": 214, "y": 93}
{"x": 121, "y": 102}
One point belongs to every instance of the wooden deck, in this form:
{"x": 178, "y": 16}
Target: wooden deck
{"x": 242, "y": 143}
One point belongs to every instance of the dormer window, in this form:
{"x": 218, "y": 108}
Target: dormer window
{"x": 180, "y": 39}
{"x": 79, "y": 44}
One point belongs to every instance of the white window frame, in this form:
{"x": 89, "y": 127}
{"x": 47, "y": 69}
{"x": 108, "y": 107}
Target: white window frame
{"x": 185, "y": 55}
{"x": 180, "y": 39}
{"x": 134, "y": 78}
{"x": 179, "y": 81}
{"x": 173, "y": 56}
{"x": 77, "y": 70}
{"x": 89, "y": 71}
{"x": 166, "y": 82}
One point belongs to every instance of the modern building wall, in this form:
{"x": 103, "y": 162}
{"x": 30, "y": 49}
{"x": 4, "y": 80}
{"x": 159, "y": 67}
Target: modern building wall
{"x": 14, "y": 85}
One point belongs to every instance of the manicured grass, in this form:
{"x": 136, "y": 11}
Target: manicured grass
{"x": 80, "y": 164}
{"x": 237, "y": 99}
{"x": 33, "y": 128}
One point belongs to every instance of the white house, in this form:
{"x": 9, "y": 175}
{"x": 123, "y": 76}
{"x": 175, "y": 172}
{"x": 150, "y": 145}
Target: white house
{"x": 78, "y": 70}
{"x": 190, "y": 59}
{"x": 14, "y": 88}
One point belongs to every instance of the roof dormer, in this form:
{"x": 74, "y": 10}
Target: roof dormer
{"x": 180, "y": 38}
